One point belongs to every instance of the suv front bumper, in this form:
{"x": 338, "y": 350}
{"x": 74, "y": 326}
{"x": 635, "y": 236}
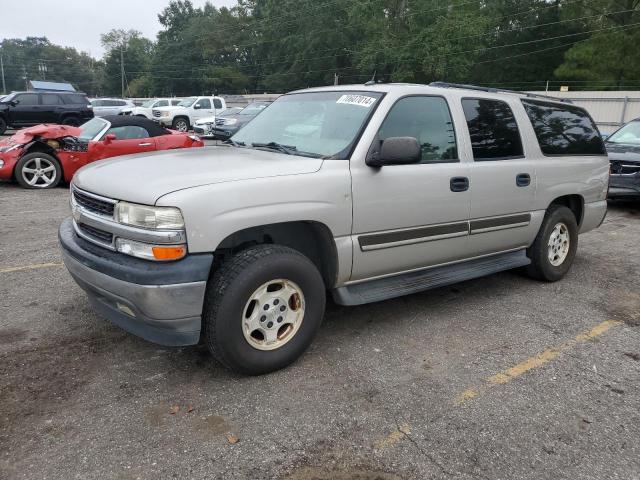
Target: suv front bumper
{"x": 160, "y": 302}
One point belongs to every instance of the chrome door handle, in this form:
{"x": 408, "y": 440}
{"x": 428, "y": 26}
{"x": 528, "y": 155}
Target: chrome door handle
{"x": 144, "y": 144}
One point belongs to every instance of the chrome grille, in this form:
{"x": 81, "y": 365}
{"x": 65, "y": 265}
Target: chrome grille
{"x": 96, "y": 234}
{"x": 156, "y": 113}
{"x": 93, "y": 204}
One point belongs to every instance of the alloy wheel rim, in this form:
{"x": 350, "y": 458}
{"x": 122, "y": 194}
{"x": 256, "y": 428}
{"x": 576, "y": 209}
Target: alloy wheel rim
{"x": 39, "y": 172}
{"x": 273, "y": 314}
{"x": 558, "y": 245}
{"x": 181, "y": 125}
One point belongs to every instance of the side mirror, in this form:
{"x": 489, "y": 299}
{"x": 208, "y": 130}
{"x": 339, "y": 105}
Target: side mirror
{"x": 604, "y": 136}
{"x": 396, "y": 151}
{"x": 13, "y": 103}
{"x": 109, "y": 138}
{"x": 197, "y": 107}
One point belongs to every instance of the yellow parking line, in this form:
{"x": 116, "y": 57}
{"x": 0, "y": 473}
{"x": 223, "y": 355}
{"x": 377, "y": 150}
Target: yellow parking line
{"x": 534, "y": 362}
{"x": 30, "y": 267}
{"x": 393, "y": 438}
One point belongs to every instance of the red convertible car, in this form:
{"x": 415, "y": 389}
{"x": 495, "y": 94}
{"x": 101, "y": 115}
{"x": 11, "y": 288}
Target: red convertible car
{"x": 42, "y": 156}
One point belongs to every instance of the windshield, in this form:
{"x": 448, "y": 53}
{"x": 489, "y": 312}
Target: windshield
{"x": 8, "y": 98}
{"x": 187, "y": 102}
{"x": 630, "y": 133}
{"x": 148, "y": 103}
{"x": 253, "y": 109}
{"x": 320, "y": 124}
{"x": 90, "y": 129}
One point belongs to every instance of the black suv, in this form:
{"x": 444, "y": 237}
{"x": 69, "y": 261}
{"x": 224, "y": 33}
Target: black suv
{"x": 24, "y": 109}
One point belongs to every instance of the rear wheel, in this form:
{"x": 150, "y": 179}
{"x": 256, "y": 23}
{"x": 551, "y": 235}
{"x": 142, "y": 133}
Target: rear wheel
{"x": 180, "y": 124}
{"x": 554, "y": 248}
{"x": 71, "y": 121}
{"x": 263, "y": 309}
{"x": 38, "y": 170}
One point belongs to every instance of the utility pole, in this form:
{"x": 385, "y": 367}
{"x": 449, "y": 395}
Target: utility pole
{"x": 122, "y": 67}
{"x": 335, "y": 79}
{"x": 4, "y": 86}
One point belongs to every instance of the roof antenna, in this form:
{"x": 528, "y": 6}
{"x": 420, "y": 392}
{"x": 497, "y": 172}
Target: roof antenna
{"x": 373, "y": 79}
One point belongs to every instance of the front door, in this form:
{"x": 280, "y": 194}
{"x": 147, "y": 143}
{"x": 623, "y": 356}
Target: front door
{"x": 412, "y": 216}
{"x": 503, "y": 179}
{"x": 27, "y": 111}
{"x": 129, "y": 139}
{"x": 203, "y": 108}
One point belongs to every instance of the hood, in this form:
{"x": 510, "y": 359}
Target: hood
{"x": 170, "y": 108}
{"x": 204, "y": 120}
{"x": 46, "y": 131}
{"x": 145, "y": 178}
{"x": 623, "y": 151}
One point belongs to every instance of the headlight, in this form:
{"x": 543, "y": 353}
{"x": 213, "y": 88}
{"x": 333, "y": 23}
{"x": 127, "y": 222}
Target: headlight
{"x": 157, "y": 218}
{"x": 230, "y": 121}
{"x": 164, "y": 114}
{"x": 1, "y": 163}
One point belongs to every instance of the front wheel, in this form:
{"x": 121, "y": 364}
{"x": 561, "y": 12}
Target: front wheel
{"x": 38, "y": 170}
{"x": 180, "y": 124}
{"x": 554, "y": 248}
{"x": 3, "y": 126}
{"x": 263, "y": 308}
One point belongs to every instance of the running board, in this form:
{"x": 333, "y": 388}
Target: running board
{"x": 413, "y": 282}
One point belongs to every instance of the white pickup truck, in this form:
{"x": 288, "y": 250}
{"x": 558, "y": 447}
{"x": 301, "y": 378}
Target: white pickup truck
{"x": 182, "y": 116}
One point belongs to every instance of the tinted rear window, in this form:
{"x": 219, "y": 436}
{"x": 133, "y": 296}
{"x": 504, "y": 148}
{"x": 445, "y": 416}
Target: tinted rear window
{"x": 75, "y": 99}
{"x": 493, "y": 129}
{"x": 564, "y": 129}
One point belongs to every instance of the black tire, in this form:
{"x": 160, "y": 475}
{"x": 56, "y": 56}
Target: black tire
{"x": 541, "y": 267}
{"x": 71, "y": 121}
{"x": 231, "y": 288}
{"x": 178, "y": 123}
{"x": 3, "y": 126}
{"x": 23, "y": 177}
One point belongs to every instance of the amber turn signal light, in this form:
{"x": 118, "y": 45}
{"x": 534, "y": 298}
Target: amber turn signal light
{"x": 168, "y": 253}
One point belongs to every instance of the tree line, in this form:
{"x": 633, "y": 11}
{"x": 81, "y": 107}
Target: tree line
{"x": 281, "y": 45}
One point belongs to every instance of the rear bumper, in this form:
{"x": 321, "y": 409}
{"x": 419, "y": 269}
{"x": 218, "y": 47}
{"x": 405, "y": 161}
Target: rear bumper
{"x": 593, "y": 215}
{"x": 161, "y": 303}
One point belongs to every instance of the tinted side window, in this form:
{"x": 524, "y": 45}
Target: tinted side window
{"x": 27, "y": 99}
{"x": 217, "y": 103}
{"x": 128, "y": 132}
{"x": 204, "y": 103}
{"x": 563, "y": 129}
{"x": 175, "y": 102}
{"x": 51, "y": 99}
{"x": 428, "y": 120}
{"x": 493, "y": 129}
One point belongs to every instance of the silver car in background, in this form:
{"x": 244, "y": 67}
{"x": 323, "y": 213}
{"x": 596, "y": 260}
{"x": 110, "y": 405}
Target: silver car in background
{"x": 110, "y": 106}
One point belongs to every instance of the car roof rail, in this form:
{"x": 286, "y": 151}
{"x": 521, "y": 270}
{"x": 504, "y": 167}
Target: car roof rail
{"x": 497, "y": 90}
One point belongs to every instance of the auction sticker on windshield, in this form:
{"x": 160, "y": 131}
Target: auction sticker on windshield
{"x": 361, "y": 100}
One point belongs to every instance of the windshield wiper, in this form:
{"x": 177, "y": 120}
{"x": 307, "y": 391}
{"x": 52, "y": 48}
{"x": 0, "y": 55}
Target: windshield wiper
{"x": 288, "y": 149}
{"x": 228, "y": 141}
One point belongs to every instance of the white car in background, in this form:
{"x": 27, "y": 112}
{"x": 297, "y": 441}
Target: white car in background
{"x": 110, "y": 106}
{"x": 146, "y": 109}
{"x": 188, "y": 111}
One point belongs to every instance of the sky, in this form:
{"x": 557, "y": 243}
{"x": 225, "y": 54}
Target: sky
{"x": 79, "y": 23}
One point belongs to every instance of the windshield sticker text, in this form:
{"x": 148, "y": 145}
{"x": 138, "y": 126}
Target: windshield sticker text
{"x": 360, "y": 100}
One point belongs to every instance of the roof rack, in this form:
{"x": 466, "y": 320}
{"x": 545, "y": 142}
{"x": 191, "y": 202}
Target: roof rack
{"x": 497, "y": 90}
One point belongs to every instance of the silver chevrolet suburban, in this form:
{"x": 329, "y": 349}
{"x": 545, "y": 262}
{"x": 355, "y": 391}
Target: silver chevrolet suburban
{"x": 367, "y": 191}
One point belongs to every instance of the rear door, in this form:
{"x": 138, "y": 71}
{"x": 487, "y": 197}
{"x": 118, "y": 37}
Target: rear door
{"x": 52, "y": 106}
{"x": 502, "y": 177}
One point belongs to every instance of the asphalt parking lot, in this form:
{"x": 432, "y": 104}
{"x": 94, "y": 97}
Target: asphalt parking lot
{"x": 497, "y": 378}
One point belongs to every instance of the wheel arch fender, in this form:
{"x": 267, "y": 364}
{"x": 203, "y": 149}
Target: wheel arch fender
{"x": 311, "y": 238}
{"x": 38, "y": 146}
{"x": 574, "y": 202}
